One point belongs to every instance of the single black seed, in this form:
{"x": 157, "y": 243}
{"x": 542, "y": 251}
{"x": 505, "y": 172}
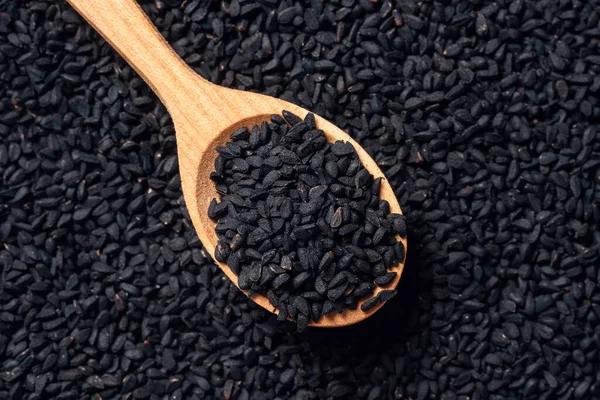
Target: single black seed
{"x": 370, "y": 303}
{"x": 413, "y": 103}
{"x": 337, "y": 218}
{"x": 332, "y": 168}
{"x": 385, "y": 279}
{"x": 280, "y": 280}
{"x": 340, "y": 148}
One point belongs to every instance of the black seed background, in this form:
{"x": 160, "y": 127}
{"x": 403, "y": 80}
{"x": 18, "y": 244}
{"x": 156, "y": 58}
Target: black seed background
{"x": 483, "y": 115}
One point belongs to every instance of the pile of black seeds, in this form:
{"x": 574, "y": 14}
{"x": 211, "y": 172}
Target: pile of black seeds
{"x": 300, "y": 220}
{"x": 484, "y": 117}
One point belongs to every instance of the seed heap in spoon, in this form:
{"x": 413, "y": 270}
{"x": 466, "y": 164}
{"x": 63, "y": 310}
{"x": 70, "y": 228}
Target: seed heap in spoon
{"x": 300, "y": 220}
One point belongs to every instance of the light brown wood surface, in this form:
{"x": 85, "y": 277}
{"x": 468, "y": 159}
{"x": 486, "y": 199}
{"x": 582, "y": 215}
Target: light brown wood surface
{"x": 204, "y": 116}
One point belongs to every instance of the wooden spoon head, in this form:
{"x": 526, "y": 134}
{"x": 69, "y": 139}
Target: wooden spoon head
{"x": 196, "y": 162}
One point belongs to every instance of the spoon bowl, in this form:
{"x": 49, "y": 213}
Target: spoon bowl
{"x": 204, "y": 116}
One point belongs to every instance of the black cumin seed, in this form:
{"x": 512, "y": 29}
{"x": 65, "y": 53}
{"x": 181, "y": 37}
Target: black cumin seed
{"x": 370, "y": 303}
{"x": 507, "y": 133}
{"x": 302, "y": 197}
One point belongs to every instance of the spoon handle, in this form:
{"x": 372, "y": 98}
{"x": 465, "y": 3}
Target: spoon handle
{"x": 125, "y": 26}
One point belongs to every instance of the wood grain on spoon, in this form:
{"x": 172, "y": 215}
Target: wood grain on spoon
{"x": 204, "y": 116}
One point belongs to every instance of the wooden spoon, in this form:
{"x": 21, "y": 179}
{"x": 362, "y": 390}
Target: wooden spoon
{"x": 204, "y": 116}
